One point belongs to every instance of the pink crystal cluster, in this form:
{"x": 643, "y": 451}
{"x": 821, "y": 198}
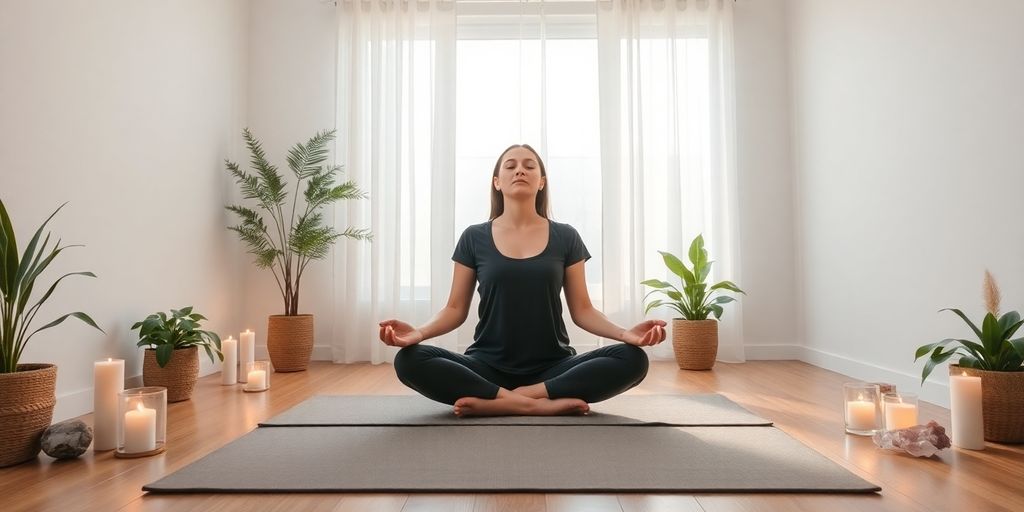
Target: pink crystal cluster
{"x": 919, "y": 440}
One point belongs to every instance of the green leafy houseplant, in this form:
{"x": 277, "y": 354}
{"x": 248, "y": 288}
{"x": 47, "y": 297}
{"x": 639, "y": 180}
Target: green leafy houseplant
{"x": 994, "y": 350}
{"x": 695, "y": 301}
{"x": 17, "y": 281}
{"x": 180, "y": 330}
{"x": 285, "y": 241}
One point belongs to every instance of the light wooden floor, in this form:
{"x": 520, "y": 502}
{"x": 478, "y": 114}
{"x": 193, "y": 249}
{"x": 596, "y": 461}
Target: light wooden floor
{"x": 801, "y": 399}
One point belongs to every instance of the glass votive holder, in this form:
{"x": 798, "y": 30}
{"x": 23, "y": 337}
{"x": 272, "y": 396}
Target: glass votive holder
{"x": 141, "y": 421}
{"x": 900, "y": 410}
{"x": 257, "y": 376}
{"x": 863, "y": 408}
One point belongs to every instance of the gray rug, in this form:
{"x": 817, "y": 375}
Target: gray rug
{"x": 514, "y": 459}
{"x": 408, "y": 410}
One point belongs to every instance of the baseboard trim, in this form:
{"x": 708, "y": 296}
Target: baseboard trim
{"x": 932, "y": 391}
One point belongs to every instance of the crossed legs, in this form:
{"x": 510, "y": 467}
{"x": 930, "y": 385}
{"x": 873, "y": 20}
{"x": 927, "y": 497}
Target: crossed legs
{"x": 474, "y": 388}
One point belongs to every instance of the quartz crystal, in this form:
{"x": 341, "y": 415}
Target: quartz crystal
{"x": 919, "y": 440}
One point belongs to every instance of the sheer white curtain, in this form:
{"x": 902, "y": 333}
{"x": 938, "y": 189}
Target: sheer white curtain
{"x": 667, "y": 149}
{"x": 396, "y": 116}
{"x": 629, "y": 103}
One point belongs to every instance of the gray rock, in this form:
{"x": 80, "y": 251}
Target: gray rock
{"x": 67, "y": 439}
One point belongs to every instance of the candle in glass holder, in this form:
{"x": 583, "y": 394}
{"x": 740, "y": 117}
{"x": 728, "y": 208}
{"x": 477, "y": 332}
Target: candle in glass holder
{"x": 863, "y": 412}
{"x": 108, "y": 381}
{"x": 140, "y": 430}
{"x": 900, "y": 410}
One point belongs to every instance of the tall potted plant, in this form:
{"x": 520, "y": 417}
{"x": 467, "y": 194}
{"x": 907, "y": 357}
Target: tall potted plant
{"x": 694, "y": 335}
{"x": 26, "y": 390}
{"x": 286, "y": 240}
{"x": 995, "y": 357}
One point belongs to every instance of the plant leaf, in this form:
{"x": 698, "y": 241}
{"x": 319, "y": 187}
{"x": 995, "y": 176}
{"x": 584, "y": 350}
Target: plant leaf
{"x": 728, "y": 285}
{"x": 924, "y": 349}
{"x": 968, "y": 320}
{"x": 655, "y": 283}
{"x": 935, "y": 359}
{"x": 164, "y": 353}
{"x": 676, "y": 266}
{"x": 1018, "y": 346}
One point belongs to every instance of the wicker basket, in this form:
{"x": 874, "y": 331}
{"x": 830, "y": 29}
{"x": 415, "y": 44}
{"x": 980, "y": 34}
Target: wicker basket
{"x": 27, "y": 398}
{"x": 695, "y": 343}
{"x": 1002, "y": 403}
{"x": 179, "y": 376}
{"x": 290, "y": 342}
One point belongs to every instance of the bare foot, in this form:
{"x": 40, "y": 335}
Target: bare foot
{"x": 513, "y": 404}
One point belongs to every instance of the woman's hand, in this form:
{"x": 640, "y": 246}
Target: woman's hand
{"x": 649, "y": 332}
{"x": 399, "y": 334}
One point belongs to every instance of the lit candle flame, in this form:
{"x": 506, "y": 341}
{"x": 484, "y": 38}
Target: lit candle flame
{"x": 860, "y": 396}
{"x": 109, "y": 360}
{"x": 139, "y": 406}
{"x": 963, "y": 374}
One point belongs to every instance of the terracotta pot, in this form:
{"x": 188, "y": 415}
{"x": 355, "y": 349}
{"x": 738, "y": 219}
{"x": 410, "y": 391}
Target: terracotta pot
{"x": 1002, "y": 396}
{"x": 695, "y": 343}
{"x": 290, "y": 342}
{"x": 27, "y": 398}
{"x": 179, "y": 376}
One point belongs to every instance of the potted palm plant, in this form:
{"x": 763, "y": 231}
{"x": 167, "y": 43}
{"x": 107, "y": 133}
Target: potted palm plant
{"x": 172, "y": 350}
{"x": 694, "y": 335}
{"x": 286, "y": 240}
{"x": 26, "y": 390}
{"x": 995, "y": 357}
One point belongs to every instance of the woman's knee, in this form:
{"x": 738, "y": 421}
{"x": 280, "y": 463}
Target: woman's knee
{"x": 408, "y": 358}
{"x": 636, "y": 358}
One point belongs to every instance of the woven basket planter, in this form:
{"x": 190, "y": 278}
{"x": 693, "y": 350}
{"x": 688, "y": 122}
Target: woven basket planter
{"x": 1002, "y": 403}
{"x": 179, "y": 376}
{"x": 27, "y": 398}
{"x": 695, "y": 343}
{"x": 290, "y": 342}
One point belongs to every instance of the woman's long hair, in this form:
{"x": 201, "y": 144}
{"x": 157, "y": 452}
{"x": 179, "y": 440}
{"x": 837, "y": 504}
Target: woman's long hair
{"x": 498, "y": 201}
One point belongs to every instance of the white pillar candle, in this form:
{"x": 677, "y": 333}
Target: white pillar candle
{"x": 229, "y": 374}
{"x": 861, "y": 415}
{"x": 965, "y": 412}
{"x": 140, "y": 430}
{"x": 900, "y": 415}
{"x": 108, "y": 381}
{"x": 246, "y": 352}
{"x": 257, "y": 380}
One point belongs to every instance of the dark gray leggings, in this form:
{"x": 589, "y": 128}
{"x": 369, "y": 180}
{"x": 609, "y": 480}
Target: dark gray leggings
{"x": 445, "y": 376}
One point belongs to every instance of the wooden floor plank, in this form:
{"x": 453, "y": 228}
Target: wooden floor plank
{"x": 803, "y": 400}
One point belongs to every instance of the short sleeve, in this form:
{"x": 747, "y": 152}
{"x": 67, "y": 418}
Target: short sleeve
{"x": 464, "y": 252}
{"x": 577, "y": 250}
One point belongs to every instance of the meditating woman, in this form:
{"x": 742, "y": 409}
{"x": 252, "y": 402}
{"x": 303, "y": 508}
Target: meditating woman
{"x": 520, "y": 362}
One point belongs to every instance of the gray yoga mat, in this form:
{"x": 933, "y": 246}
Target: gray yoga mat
{"x": 513, "y": 458}
{"x": 415, "y": 410}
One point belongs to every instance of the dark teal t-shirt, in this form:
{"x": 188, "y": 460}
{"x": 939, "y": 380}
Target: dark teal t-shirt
{"x": 521, "y": 329}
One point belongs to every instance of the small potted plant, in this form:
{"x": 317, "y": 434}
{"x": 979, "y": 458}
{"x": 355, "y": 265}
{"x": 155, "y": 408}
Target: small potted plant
{"x": 694, "y": 336}
{"x": 172, "y": 350}
{"x": 996, "y": 358}
{"x": 287, "y": 240}
{"x": 27, "y": 391}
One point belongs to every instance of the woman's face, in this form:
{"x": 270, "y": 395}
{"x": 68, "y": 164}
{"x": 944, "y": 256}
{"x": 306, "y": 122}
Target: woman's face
{"x": 519, "y": 174}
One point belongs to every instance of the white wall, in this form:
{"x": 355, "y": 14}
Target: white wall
{"x": 291, "y": 80}
{"x": 126, "y": 110}
{"x": 291, "y": 95}
{"x": 907, "y": 149}
{"x": 770, "y": 321}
